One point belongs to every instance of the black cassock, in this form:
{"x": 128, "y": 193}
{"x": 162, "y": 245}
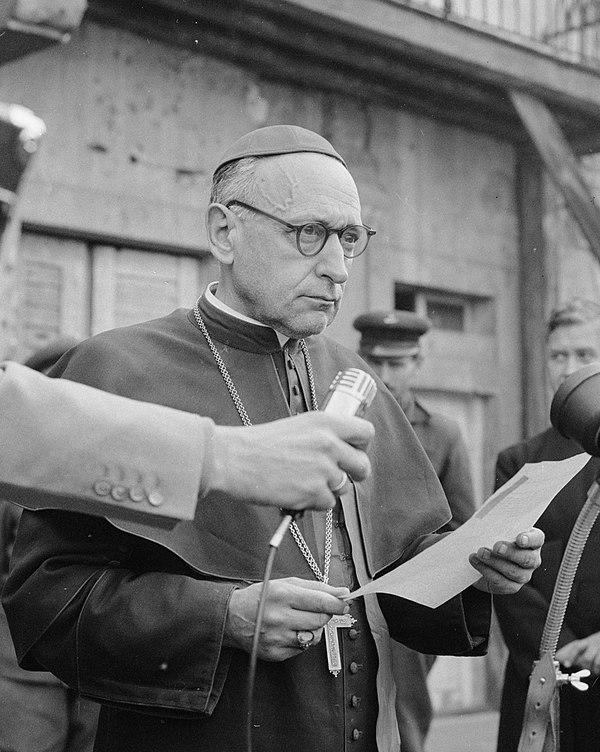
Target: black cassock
{"x": 134, "y": 616}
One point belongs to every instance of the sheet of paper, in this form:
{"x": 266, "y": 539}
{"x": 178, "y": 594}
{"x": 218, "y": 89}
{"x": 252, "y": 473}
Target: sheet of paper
{"x": 442, "y": 571}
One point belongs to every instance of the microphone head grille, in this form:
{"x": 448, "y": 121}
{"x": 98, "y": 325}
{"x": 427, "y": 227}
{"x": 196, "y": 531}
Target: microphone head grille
{"x": 356, "y": 383}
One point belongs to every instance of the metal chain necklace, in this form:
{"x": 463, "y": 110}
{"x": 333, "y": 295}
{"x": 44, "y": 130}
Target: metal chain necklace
{"x": 239, "y": 406}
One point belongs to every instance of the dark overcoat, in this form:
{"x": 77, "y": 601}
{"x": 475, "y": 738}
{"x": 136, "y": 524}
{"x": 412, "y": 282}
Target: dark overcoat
{"x": 522, "y": 616}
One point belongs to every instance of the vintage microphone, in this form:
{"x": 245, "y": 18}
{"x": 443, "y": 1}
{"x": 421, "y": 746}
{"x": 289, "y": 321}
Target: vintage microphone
{"x": 575, "y": 413}
{"x": 350, "y": 393}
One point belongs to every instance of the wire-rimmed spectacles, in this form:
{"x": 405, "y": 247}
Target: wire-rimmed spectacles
{"x": 312, "y": 236}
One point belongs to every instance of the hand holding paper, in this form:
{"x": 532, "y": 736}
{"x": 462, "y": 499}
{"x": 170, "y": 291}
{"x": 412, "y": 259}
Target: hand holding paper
{"x": 443, "y": 570}
{"x": 508, "y": 565}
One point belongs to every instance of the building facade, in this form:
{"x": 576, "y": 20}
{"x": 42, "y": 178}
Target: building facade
{"x": 109, "y": 226}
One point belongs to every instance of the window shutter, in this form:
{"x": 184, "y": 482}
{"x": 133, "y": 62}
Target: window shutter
{"x": 53, "y": 284}
{"x": 131, "y": 286}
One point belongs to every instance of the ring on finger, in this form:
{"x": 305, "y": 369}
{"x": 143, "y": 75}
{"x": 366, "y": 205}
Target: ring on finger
{"x": 305, "y": 639}
{"x": 336, "y": 489}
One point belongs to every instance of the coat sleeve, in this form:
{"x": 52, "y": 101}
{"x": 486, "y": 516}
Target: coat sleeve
{"x": 458, "y": 627}
{"x": 83, "y": 603}
{"x": 96, "y": 452}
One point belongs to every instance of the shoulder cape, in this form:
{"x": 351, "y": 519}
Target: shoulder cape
{"x": 167, "y": 361}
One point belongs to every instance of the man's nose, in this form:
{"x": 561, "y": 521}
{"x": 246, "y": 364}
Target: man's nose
{"x": 331, "y": 261}
{"x": 571, "y": 364}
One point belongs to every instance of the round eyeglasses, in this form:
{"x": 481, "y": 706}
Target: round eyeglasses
{"x": 312, "y": 236}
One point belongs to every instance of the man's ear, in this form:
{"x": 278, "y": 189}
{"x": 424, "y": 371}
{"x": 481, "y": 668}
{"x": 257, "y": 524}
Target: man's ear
{"x": 221, "y": 227}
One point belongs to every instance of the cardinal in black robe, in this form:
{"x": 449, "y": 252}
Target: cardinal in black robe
{"x": 133, "y": 616}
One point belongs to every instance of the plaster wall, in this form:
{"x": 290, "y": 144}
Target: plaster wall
{"x": 135, "y": 128}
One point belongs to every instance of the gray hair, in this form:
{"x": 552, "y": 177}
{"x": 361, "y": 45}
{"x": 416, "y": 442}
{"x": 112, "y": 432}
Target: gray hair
{"x": 235, "y": 180}
{"x": 575, "y": 311}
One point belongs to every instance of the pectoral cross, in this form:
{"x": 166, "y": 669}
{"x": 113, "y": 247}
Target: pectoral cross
{"x": 332, "y": 642}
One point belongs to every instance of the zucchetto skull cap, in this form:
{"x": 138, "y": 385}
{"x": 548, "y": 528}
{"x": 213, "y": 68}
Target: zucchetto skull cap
{"x": 278, "y": 139}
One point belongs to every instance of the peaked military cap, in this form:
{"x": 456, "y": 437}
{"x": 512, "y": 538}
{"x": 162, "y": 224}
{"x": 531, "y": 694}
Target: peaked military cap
{"x": 278, "y": 139}
{"x": 391, "y": 332}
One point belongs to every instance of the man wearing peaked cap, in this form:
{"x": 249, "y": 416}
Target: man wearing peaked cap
{"x": 159, "y": 625}
{"x": 391, "y": 333}
{"x": 391, "y": 343}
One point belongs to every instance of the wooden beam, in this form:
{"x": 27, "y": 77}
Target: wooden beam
{"x": 561, "y": 163}
{"x": 245, "y": 34}
{"x": 532, "y": 290}
{"x": 312, "y": 58}
{"x": 469, "y": 52}
{"x": 111, "y": 239}
{"x": 324, "y": 47}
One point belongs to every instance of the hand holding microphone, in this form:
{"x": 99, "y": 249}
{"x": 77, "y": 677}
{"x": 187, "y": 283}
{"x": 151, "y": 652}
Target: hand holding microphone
{"x": 350, "y": 393}
{"x": 294, "y": 463}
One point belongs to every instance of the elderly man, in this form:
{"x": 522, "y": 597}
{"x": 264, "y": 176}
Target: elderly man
{"x": 573, "y": 341}
{"x": 158, "y": 626}
{"x": 390, "y": 342}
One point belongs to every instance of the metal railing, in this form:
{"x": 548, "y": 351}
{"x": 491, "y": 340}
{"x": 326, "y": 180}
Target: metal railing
{"x": 569, "y": 29}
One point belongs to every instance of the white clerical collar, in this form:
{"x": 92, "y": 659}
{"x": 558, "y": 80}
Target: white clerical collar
{"x": 216, "y": 303}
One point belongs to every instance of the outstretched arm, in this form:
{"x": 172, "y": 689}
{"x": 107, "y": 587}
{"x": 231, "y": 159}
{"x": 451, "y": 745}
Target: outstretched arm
{"x": 108, "y": 455}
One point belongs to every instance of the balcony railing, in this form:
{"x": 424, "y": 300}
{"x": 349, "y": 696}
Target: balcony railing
{"x": 569, "y": 29}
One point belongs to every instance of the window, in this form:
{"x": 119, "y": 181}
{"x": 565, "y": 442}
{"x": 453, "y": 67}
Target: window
{"x": 446, "y": 314}
{"x": 75, "y": 288}
{"x": 448, "y": 311}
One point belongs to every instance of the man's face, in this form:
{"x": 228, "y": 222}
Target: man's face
{"x": 571, "y": 347}
{"x": 269, "y": 279}
{"x": 396, "y": 371}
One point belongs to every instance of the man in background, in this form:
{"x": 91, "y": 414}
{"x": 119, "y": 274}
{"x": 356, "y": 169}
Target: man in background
{"x": 38, "y": 713}
{"x": 573, "y": 341}
{"x": 391, "y": 344}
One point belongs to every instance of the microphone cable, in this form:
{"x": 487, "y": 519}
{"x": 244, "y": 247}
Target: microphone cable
{"x": 273, "y": 546}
